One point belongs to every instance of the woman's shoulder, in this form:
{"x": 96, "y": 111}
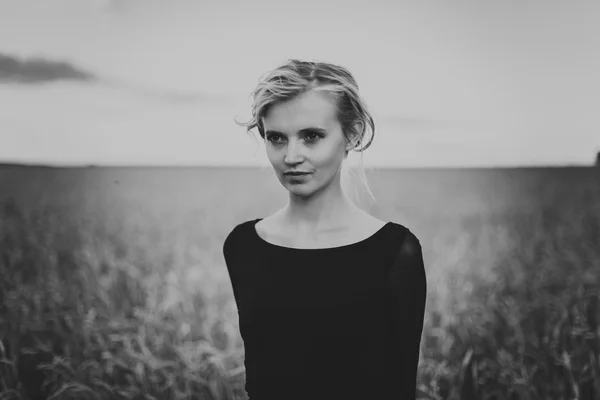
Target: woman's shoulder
{"x": 236, "y": 233}
{"x": 396, "y": 234}
{"x": 408, "y": 265}
{"x": 404, "y": 240}
{"x": 242, "y": 225}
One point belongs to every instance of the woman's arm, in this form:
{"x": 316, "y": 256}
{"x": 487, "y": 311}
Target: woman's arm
{"x": 406, "y": 296}
{"x": 230, "y": 249}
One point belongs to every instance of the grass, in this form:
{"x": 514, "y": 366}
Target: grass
{"x": 114, "y": 287}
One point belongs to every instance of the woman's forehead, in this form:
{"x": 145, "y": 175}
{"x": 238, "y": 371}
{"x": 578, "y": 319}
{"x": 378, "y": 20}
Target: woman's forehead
{"x": 308, "y": 109}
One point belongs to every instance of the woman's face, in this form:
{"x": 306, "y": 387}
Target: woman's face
{"x": 304, "y": 134}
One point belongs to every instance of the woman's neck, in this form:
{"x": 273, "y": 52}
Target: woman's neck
{"x": 314, "y": 217}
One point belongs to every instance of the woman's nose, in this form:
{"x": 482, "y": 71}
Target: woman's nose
{"x": 293, "y": 152}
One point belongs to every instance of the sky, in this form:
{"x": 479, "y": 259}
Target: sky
{"x": 450, "y": 83}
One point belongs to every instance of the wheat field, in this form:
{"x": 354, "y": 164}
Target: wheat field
{"x": 113, "y": 283}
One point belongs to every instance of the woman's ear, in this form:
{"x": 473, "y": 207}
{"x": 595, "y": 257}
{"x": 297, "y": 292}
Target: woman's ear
{"x": 350, "y": 145}
{"x": 355, "y": 139}
{"x": 359, "y": 128}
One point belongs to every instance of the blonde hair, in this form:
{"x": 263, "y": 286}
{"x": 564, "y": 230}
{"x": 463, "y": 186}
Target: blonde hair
{"x": 296, "y": 77}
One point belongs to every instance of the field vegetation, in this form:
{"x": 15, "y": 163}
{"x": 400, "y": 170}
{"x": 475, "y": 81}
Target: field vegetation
{"x": 113, "y": 283}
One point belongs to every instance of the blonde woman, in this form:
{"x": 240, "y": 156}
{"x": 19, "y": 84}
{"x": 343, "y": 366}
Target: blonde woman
{"x": 331, "y": 300}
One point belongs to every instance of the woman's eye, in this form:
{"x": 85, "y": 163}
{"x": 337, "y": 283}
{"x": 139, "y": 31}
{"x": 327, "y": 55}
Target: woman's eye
{"x": 311, "y": 137}
{"x": 272, "y": 138}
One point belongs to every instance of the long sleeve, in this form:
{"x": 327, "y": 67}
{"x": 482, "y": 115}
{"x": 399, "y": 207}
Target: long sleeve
{"x": 229, "y": 255}
{"x": 406, "y": 296}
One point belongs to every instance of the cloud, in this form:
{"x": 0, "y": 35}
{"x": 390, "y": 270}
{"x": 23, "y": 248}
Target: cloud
{"x": 38, "y": 70}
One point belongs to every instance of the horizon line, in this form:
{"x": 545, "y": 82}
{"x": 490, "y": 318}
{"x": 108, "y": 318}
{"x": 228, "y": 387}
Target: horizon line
{"x": 255, "y": 166}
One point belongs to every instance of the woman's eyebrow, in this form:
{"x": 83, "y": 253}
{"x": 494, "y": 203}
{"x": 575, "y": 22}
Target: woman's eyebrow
{"x": 305, "y": 130}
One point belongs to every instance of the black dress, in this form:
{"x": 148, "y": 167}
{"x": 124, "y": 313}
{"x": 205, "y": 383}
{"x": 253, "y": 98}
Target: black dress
{"x": 330, "y": 323}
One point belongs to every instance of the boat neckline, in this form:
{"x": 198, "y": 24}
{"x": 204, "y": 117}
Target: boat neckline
{"x": 345, "y": 246}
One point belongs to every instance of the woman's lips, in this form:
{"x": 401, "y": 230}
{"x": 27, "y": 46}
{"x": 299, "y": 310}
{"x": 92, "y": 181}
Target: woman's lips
{"x": 298, "y": 176}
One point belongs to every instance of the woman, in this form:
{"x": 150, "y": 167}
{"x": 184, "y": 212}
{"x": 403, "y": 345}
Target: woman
{"x": 331, "y": 300}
